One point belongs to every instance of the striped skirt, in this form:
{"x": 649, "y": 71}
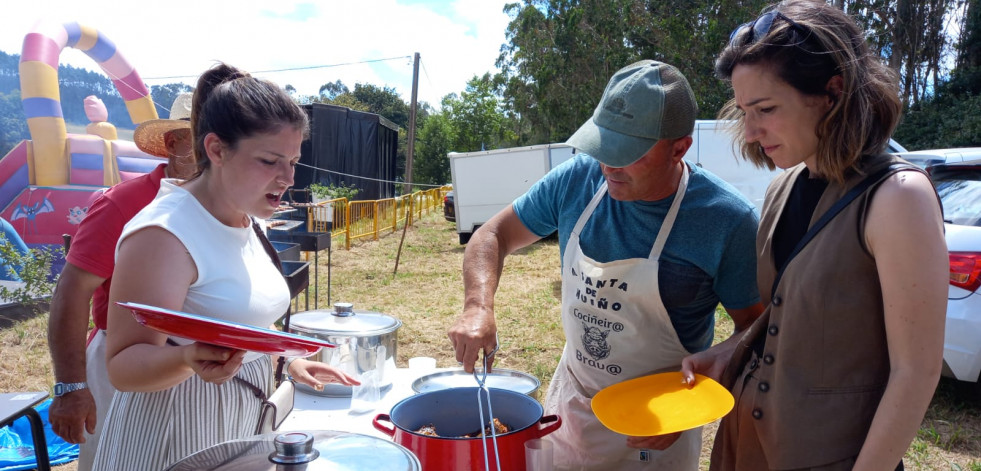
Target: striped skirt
{"x": 151, "y": 431}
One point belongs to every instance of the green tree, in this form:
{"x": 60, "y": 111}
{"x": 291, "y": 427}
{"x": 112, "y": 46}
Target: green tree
{"x": 944, "y": 120}
{"x": 966, "y": 78}
{"x": 560, "y": 54}
{"x": 435, "y": 140}
{"x": 164, "y": 96}
{"x": 477, "y": 117}
{"x": 471, "y": 121}
{"x": 384, "y": 101}
{"x": 32, "y": 268}
{"x": 13, "y": 125}
{"x": 331, "y": 90}
{"x": 690, "y": 35}
{"x": 912, "y": 36}
{"x": 348, "y": 100}
{"x": 950, "y": 114}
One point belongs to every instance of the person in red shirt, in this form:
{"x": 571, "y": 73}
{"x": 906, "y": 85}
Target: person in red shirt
{"x": 83, "y": 391}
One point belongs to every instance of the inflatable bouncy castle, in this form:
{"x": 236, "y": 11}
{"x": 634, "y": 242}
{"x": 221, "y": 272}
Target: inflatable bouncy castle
{"x": 48, "y": 182}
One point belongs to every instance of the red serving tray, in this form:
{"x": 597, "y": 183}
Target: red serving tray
{"x": 224, "y": 333}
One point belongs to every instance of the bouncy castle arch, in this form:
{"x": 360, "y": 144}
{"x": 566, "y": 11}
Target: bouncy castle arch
{"x": 48, "y": 182}
{"x": 41, "y": 96}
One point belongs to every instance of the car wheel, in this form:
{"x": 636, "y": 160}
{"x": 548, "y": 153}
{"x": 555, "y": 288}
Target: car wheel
{"x": 969, "y": 391}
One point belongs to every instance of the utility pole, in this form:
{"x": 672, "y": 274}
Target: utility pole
{"x": 412, "y": 125}
{"x": 407, "y": 186}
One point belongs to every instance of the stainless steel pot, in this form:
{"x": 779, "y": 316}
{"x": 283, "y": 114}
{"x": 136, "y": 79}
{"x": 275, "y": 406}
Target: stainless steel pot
{"x": 366, "y": 342}
{"x": 499, "y": 378}
{"x": 302, "y": 450}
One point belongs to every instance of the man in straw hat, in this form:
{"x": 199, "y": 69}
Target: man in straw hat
{"x": 83, "y": 391}
{"x": 650, "y": 244}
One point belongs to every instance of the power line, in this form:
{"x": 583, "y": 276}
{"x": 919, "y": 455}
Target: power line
{"x": 426, "y": 73}
{"x": 290, "y": 69}
{"x": 367, "y": 178}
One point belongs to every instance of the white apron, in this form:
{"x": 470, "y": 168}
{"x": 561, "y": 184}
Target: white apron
{"x": 616, "y": 328}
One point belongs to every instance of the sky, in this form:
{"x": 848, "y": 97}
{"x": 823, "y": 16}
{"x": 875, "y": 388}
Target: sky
{"x": 365, "y": 41}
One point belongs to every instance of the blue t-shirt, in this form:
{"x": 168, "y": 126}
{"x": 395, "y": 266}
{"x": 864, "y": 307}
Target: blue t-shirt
{"x": 709, "y": 257}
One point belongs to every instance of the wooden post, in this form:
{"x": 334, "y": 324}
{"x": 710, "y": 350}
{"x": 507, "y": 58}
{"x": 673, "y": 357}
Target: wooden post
{"x": 407, "y": 188}
{"x": 347, "y": 226}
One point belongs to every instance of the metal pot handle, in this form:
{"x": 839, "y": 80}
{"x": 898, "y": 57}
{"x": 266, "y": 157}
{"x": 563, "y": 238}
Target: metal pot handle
{"x": 381, "y": 428}
{"x": 557, "y": 422}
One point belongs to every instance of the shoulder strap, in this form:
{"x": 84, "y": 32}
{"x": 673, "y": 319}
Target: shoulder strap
{"x": 251, "y": 387}
{"x": 833, "y": 211}
{"x": 280, "y": 365}
{"x": 266, "y": 244}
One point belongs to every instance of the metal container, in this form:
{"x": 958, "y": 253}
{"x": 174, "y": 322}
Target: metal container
{"x": 302, "y": 450}
{"x": 287, "y": 251}
{"x": 297, "y": 275}
{"x": 499, "y": 378}
{"x": 366, "y": 341}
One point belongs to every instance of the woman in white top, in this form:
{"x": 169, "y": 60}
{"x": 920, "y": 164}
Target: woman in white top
{"x": 193, "y": 249}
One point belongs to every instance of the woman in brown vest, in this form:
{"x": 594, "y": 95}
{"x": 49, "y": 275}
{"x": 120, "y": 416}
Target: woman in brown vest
{"x": 839, "y": 370}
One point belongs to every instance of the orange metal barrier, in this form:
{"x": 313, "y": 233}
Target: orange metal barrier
{"x": 354, "y": 220}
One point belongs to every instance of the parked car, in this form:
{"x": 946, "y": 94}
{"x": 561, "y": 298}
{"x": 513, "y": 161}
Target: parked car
{"x": 449, "y": 207}
{"x": 959, "y": 187}
{"x": 895, "y": 147}
{"x": 930, "y": 157}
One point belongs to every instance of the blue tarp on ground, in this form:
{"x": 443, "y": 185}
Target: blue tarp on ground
{"x": 10, "y": 236}
{"x": 17, "y": 447}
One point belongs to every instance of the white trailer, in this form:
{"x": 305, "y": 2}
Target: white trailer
{"x": 486, "y": 182}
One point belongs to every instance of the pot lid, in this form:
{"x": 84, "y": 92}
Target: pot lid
{"x": 345, "y": 320}
{"x": 499, "y": 378}
{"x": 302, "y": 450}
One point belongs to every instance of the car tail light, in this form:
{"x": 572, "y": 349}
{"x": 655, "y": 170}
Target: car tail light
{"x": 965, "y": 270}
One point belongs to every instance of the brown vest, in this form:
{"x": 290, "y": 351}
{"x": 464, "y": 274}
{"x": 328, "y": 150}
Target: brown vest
{"x": 825, "y": 362}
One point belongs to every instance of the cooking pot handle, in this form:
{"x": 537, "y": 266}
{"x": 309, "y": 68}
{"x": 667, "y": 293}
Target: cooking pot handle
{"x": 381, "y": 428}
{"x": 551, "y": 427}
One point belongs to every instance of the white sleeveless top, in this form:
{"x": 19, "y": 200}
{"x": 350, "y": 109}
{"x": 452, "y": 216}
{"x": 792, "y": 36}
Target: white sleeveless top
{"x": 237, "y": 280}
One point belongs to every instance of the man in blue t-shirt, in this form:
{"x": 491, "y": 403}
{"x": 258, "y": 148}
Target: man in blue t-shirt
{"x": 650, "y": 245}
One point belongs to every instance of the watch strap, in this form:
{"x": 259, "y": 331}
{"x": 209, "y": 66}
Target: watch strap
{"x": 60, "y": 389}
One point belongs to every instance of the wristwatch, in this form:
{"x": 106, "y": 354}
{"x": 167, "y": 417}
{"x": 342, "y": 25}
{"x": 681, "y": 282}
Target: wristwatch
{"x": 60, "y": 389}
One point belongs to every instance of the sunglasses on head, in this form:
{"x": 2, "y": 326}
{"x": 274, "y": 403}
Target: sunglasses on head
{"x": 760, "y": 26}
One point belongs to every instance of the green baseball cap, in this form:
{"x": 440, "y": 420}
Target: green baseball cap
{"x": 644, "y": 102}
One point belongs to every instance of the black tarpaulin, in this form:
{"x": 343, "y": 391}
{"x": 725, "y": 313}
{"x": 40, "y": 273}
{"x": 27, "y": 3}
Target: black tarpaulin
{"x": 350, "y": 142}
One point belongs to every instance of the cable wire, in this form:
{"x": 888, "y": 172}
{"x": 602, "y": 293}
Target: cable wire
{"x": 368, "y": 178}
{"x": 426, "y": 72}
{"x": 290, "y": 69}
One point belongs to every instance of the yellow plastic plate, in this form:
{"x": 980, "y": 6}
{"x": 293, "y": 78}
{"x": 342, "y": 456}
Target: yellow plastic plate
{"x": 660, "y": 404}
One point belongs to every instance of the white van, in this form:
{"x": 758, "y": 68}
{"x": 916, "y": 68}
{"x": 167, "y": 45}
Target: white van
{"x": 713, "y": 150}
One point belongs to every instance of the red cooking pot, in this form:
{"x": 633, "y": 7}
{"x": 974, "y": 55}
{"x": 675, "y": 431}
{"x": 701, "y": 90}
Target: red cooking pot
{"x": 454, "y": 412}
